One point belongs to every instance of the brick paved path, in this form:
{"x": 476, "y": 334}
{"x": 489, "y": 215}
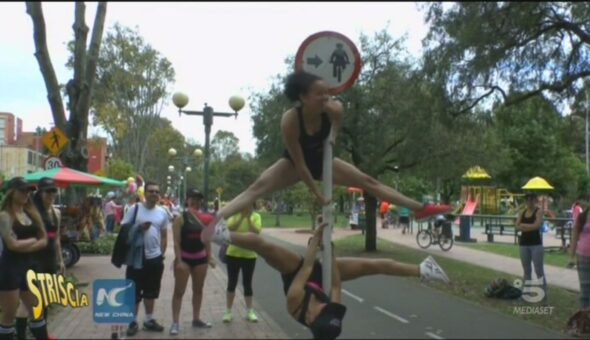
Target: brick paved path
{"x": 78, "y": 323}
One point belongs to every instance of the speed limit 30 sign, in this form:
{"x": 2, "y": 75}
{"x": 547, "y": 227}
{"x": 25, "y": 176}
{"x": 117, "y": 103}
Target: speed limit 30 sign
{"x": 52, "y": 163}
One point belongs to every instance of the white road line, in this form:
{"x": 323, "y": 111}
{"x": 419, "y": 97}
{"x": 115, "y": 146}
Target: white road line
{"x": 391, "y": 315}
{"x": 434, "y": 336}
{"x": 359, "y": 299}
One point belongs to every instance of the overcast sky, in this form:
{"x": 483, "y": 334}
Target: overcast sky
{"x": 217, "y": 49}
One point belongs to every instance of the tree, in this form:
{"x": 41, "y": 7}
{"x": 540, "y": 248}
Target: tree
{"x": 119, "y": 169}
{"x": 79, "y": 89}
{"x": 485, "y": 50}
{"x": 532, "y": 131}
{"x": 163, "y": 137}
{"x": 132, "y": 85}
{"x": 223, "y": 145}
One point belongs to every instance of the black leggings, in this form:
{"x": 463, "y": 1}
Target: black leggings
{"x": 234, "y": 264}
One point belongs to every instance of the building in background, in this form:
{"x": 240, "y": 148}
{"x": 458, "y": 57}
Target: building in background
{"x": 10, "y": 128}
{"x": 23, "y": 152}
{"x": 18, "y": 160}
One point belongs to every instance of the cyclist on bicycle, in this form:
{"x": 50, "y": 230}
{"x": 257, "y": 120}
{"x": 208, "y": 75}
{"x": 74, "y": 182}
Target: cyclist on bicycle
{"x": 438, "y": 224}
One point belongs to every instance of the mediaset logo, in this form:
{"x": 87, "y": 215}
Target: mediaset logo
{"x": 532, "y": 292}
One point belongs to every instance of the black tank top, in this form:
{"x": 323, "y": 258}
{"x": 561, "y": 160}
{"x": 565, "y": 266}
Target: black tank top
{"x": 310, "y": 289}
{"x": 51, "y": 225}
{"x": 312, "y": 145}
{"x": 21, "y": 232}
{"x": 530, "y": 238}
{"x": 190, "y": 234}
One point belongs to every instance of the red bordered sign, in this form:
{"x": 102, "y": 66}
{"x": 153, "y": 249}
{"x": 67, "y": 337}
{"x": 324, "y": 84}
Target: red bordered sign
{"x": 331, "y": 56}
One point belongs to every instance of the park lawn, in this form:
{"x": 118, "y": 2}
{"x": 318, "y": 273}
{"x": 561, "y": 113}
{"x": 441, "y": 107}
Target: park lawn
{"x": 297, "y": 221}
{"x": 554, "y": 258}
{"x": 468, "y": 282}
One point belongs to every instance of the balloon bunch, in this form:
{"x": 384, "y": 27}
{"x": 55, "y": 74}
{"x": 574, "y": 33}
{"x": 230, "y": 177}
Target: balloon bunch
{"x": 135, "y": 185}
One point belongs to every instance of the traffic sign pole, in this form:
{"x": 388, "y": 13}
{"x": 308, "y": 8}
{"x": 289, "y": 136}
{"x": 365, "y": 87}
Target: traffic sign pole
{"x": 332, "y": 57}
{"x": 336, "y": 60}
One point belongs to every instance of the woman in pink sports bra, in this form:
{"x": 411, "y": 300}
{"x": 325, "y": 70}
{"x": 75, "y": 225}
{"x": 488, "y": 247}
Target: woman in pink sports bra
{"x": 580, "y": 252}
{"x": 192, "y": 258}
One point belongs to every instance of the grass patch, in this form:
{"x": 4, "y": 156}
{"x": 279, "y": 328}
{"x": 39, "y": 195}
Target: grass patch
{"x": 298, "y": 221}
{"x": 555, "y": 258}
{"x": 102, "y": 246}
{"x": 468, "y": 282}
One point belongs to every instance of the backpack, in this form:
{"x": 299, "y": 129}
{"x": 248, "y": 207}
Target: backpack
{"x": 121, "y": 246}
{"x": 578, "y": 324}
{"x": 501, "y": 289}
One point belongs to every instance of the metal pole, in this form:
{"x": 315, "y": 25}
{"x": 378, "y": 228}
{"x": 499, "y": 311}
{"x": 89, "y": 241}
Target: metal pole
{"x": 207, "y": 121}
{"x": 327, "y": 217}
{"x": 586, "y": 133}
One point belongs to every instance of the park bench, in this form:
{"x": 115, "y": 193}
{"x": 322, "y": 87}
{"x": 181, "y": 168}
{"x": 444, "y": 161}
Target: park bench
{"x": 492, "y": 229}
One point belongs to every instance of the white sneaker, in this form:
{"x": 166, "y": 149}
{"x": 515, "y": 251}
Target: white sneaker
{"x": 221, "y": 234}
{"x": 174, "y": 329}
{"x": 430, "y": 271}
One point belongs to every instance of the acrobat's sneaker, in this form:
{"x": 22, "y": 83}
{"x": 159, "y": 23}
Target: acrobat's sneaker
{"x": 218, "y": 234}
{"x": 431, "y": 271}
{"x": 432, "y": 210}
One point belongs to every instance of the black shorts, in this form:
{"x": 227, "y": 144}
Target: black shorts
{"x": 313, "y": 162}
{"x": 316, "y": 275}
{"x": 147, "y": 279}
{"x": 13, "y": 274}
{"x": 404, "y": 220}
{"x": 195, "y": 262}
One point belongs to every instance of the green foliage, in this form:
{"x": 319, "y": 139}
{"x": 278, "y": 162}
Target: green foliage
{"x": 223, "y": 145}
{"x": 132, "y": 84}
{"x": 102, "y": 246}
{"x": 532, "y": 133}
{"x": 120, "y": 169}
{"x": 481, "y": 49}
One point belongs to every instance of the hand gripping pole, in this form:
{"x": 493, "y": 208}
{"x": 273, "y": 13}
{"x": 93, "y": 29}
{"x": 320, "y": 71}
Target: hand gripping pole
{"x": 327, "y": 217}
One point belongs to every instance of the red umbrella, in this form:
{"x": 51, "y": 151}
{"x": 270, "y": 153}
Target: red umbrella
{"x": 65, "y": 177}
{"x": 353, "y": 189}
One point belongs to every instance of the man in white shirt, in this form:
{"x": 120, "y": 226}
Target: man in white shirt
{"x": 150, "y": 224}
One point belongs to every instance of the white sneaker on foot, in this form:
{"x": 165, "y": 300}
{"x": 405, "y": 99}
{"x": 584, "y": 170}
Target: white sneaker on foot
{"x": 430, "y": 271}
{"x": 174, "y": 329}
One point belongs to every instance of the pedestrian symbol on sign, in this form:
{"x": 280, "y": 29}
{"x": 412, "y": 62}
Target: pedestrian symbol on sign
{"x": 339, "y": 60}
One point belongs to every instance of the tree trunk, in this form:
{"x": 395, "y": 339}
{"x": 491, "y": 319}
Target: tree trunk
{"x": 371, "y": 222}
{"x": 79, "y": 89}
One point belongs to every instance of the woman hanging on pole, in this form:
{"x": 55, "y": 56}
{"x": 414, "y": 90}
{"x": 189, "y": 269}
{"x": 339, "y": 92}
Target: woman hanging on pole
{"x": 302, "y": 277}
{"x": 314, "y": 117}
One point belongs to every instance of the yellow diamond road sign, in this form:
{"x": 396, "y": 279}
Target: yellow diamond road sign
{"x": 55, "y": 140}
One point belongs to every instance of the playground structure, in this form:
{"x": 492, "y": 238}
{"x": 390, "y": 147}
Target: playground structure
{"x": 478, "y": 195}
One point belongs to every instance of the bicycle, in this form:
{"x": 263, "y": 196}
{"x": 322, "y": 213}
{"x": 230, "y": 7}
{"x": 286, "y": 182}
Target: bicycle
{"x": 444, "y": 239}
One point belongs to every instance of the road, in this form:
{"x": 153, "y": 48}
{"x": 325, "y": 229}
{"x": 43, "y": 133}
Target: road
{"x": 390, "y": 307}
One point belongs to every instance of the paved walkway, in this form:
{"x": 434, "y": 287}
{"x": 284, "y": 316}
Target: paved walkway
{"x": 561, "y": 277}
{"x": 79, "y": 324}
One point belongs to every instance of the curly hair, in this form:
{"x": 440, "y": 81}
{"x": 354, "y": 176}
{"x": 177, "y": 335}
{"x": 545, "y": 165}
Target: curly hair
{"x": 298, "y": 83}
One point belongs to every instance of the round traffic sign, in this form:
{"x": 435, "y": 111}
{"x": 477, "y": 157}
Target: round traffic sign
{"x": 52, "y": 163}
{"x": 331, "y": 56}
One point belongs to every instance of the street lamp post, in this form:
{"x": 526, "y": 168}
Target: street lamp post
{"x": 186, "y": 161}
{"x": 181, "y": 100}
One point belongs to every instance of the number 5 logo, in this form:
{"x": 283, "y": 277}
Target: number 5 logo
{"x": 532, "y": 290}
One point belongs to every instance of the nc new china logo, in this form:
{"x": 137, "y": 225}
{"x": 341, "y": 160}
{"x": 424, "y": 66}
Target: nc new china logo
{"x": 114, "y": 301}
